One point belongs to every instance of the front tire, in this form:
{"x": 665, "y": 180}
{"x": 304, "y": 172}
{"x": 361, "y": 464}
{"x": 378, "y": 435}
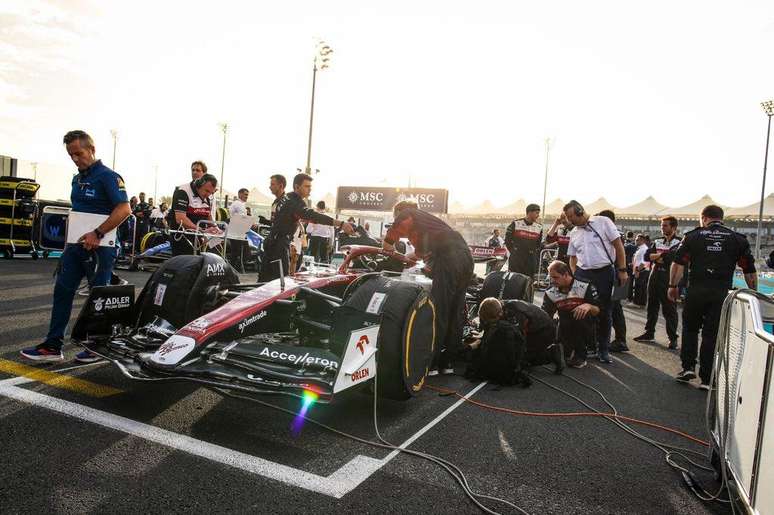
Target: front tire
{"x": 406, "y": 337}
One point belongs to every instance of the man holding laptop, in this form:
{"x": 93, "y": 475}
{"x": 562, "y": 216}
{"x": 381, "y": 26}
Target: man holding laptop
{"x": 99, "y": 205}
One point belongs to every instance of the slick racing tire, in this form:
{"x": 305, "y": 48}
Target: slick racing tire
{"x": 184, "y": 288}
{"x": 407, "y": 334}
{"x": 507, "y": 286}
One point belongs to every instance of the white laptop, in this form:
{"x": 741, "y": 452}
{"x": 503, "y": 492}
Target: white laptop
{"x": 79, "y": 224}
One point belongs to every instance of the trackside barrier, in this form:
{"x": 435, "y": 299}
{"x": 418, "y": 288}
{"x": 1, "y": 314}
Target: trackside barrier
{"x": 740, "y": 408}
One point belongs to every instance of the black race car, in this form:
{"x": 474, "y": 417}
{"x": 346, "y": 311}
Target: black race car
{"x": 315, "y": 331}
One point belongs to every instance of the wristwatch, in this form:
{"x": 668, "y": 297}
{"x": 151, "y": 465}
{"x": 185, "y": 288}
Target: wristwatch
{"x": 672, "y": 286}
{"x": 99, "y": 233}
{"x": 622, "y": 270}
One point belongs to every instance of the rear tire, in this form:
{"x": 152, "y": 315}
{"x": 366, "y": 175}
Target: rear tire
{"x": 517, "y": 286}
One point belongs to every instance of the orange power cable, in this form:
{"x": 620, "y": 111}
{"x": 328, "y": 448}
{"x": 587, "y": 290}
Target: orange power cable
{"x": 569, "y": 414}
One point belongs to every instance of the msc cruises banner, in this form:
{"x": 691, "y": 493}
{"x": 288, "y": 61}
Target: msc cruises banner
{"x": 361, "y": 198}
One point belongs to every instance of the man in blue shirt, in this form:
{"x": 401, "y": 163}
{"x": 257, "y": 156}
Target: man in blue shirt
{"x": 95, "y": 189}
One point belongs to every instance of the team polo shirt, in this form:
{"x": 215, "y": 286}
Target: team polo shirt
{"x": 589, "y": 246}
{"x": 666, "y": 249}
{"x": 557, "y": 301}
{"x": 186, "y": 200}
{"x": 97, "y": 190}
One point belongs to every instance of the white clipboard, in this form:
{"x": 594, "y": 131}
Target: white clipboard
{"x": 79, "y": 223}
{"x": 239, "y": 225}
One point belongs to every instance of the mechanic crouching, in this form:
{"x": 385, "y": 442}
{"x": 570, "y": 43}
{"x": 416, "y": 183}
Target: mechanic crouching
{"x": 577, "y": 303}
{"x": 448, "y": 262}
{"x": 536, "y": 326}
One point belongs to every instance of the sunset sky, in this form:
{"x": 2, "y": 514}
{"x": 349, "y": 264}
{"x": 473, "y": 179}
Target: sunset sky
{"x": 658, "y": 98}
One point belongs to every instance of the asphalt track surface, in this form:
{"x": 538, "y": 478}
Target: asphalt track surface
{"x": 86, "y": 440}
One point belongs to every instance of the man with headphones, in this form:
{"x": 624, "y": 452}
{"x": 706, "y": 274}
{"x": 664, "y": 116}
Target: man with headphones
{"x": 191, "y": 203}
{"x": 597, "y": 256}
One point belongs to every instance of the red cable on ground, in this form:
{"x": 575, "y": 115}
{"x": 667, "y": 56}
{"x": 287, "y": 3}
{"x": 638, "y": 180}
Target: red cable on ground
{"x": 569, "y": 414}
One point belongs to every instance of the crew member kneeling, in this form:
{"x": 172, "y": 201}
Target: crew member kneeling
{"x": 577, "y": 303}
{"x": 535, "y": 324}
{"x": 191, "y": 203}
{"x": 448, "y": 262}
{"x": 500, "y": 355}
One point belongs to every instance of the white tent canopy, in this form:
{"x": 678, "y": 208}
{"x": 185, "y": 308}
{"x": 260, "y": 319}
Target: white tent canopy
{"x": 647, "y": 207}
{"x": 751, "y": 211}
{"x": 514, "y": 208}
{"x": 600, "y": 205}
{"x": 690, "y": 210}
{"x": 555, "y": 207}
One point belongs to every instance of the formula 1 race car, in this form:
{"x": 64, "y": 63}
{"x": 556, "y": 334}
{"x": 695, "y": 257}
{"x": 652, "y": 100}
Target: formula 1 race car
{"x": 315, "y": 331}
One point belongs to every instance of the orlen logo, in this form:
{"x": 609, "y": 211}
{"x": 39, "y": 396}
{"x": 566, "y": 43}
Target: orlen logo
{"x": 357, "y": 375}
{"x": 361, "y": 343}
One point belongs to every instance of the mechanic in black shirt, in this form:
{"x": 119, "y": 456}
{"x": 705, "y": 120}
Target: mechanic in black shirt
{"x": 577, "y": 303}
{"x": 523, "y": 240}
{"x": 712, "y": 253}
{"x": 630, "y": 248}
{"x": 141, "y": 213}
{"x": 291, "y": 209}
{"x": 277, "y": 185}
{"x": 535, "y": 324}
{"x": 191, "y": 203}
{"x": 448, "y": 261}
{"x": 661, "y": 254}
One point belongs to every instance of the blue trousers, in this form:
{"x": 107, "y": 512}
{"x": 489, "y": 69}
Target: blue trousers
{"x": 75, "y": 264}
{"x": 602, "y": 279}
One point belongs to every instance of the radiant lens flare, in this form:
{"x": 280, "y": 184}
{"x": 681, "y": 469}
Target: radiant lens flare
{"x": 308, "y": 398}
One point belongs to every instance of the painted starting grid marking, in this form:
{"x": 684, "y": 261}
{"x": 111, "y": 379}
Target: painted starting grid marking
{"x": 336, "y": 485}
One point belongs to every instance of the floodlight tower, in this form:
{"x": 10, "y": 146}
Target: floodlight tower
{"x": 114, "y": 133}
{"x": 768, "y": 108}
{"x": 224, "y": 128}
{"x": 321, "y": 62}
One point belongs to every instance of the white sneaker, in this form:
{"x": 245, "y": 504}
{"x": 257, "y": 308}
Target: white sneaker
{"x": 84, "y": 292}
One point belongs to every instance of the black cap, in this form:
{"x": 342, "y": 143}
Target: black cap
{"x": 532, "y": 207}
